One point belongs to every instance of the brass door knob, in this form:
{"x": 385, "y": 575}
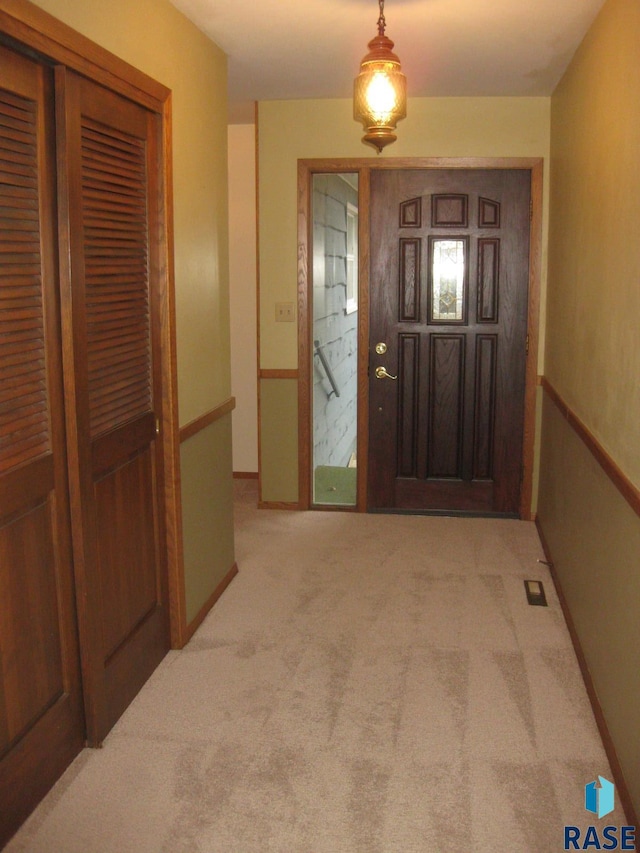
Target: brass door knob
{"x": 381, "y": 373}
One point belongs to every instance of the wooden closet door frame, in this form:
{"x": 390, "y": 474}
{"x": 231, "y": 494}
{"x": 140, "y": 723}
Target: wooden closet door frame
{"x": 56, "y": 43}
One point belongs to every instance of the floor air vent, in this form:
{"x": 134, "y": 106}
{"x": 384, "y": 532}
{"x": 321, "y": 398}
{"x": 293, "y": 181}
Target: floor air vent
{"x": 535, "y": 593}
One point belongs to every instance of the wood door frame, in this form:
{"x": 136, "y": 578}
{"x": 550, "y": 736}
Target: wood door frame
{"x": 364, "y": 167}
{"x": 56, "y": 43}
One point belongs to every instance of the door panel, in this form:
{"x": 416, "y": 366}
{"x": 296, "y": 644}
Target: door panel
{"x": 449, "y": 279}
{"x": 41, "y": 721}
{"x": 111, "y": 217}
{"x": 127, "y": 598}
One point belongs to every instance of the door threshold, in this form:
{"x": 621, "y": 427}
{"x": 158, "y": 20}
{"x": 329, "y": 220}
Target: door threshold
{"x": 444, "y": 513}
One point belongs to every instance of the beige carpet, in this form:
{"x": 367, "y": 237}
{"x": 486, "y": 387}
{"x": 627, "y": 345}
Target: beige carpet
{"x": 367, "y": 684}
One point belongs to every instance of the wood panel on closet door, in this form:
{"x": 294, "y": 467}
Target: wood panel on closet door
{"x": 41, "y": 719}
{"x": 109, "y": 153}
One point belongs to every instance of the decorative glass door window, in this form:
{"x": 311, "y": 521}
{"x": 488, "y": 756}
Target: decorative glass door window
{"x": 447, "y": 303}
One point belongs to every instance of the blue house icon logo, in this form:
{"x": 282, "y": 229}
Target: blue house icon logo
{"x": 599, "y": 798}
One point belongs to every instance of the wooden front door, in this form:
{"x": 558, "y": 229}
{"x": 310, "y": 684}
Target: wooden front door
{"x": 110, "y": 203}
{"x": 449, "y": 280}
{"x": 41, "y": 719}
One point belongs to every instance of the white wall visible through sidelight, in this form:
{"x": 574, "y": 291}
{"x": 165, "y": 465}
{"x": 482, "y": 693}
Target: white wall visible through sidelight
{"x": 335, "y": 320}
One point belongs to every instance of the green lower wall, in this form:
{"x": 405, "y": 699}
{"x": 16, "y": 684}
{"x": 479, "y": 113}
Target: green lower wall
{"x": 279, "y": 440}
{"x": 207, "y": 512}
{"x": 594, "y": 539}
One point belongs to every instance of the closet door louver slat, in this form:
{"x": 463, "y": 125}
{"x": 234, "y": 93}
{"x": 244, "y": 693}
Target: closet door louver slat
{"x": 114, "y": 212}
{"x": 24, "y": 431}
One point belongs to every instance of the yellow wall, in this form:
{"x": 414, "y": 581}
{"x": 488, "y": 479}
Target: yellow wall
{"x": 593, "y": 361}
{"x": 292, "y": 130}
{"x": 593, "y": 357}
{"x": 242, "y": 281}
{"x": 154, "y": 37}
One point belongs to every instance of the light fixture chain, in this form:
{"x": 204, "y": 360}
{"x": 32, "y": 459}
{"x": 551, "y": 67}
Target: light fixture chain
{"x": 381, "y": 21}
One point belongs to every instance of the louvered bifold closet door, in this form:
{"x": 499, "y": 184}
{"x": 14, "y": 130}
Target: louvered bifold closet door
{"x": 109, "y": 211}
{"x": 41, "y": 724}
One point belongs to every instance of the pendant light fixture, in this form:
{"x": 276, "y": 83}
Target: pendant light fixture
{"x": 380, "y": 90}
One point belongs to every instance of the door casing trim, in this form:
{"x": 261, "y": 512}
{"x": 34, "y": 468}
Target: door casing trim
{"x": 364, "y": 167}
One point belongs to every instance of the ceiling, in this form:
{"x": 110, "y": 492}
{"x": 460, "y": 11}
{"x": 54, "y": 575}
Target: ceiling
{"x": 283, "y": 49}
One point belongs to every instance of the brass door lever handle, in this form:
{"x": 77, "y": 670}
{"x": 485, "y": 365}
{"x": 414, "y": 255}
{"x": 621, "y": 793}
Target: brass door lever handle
{"x": 381, "y": 373}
